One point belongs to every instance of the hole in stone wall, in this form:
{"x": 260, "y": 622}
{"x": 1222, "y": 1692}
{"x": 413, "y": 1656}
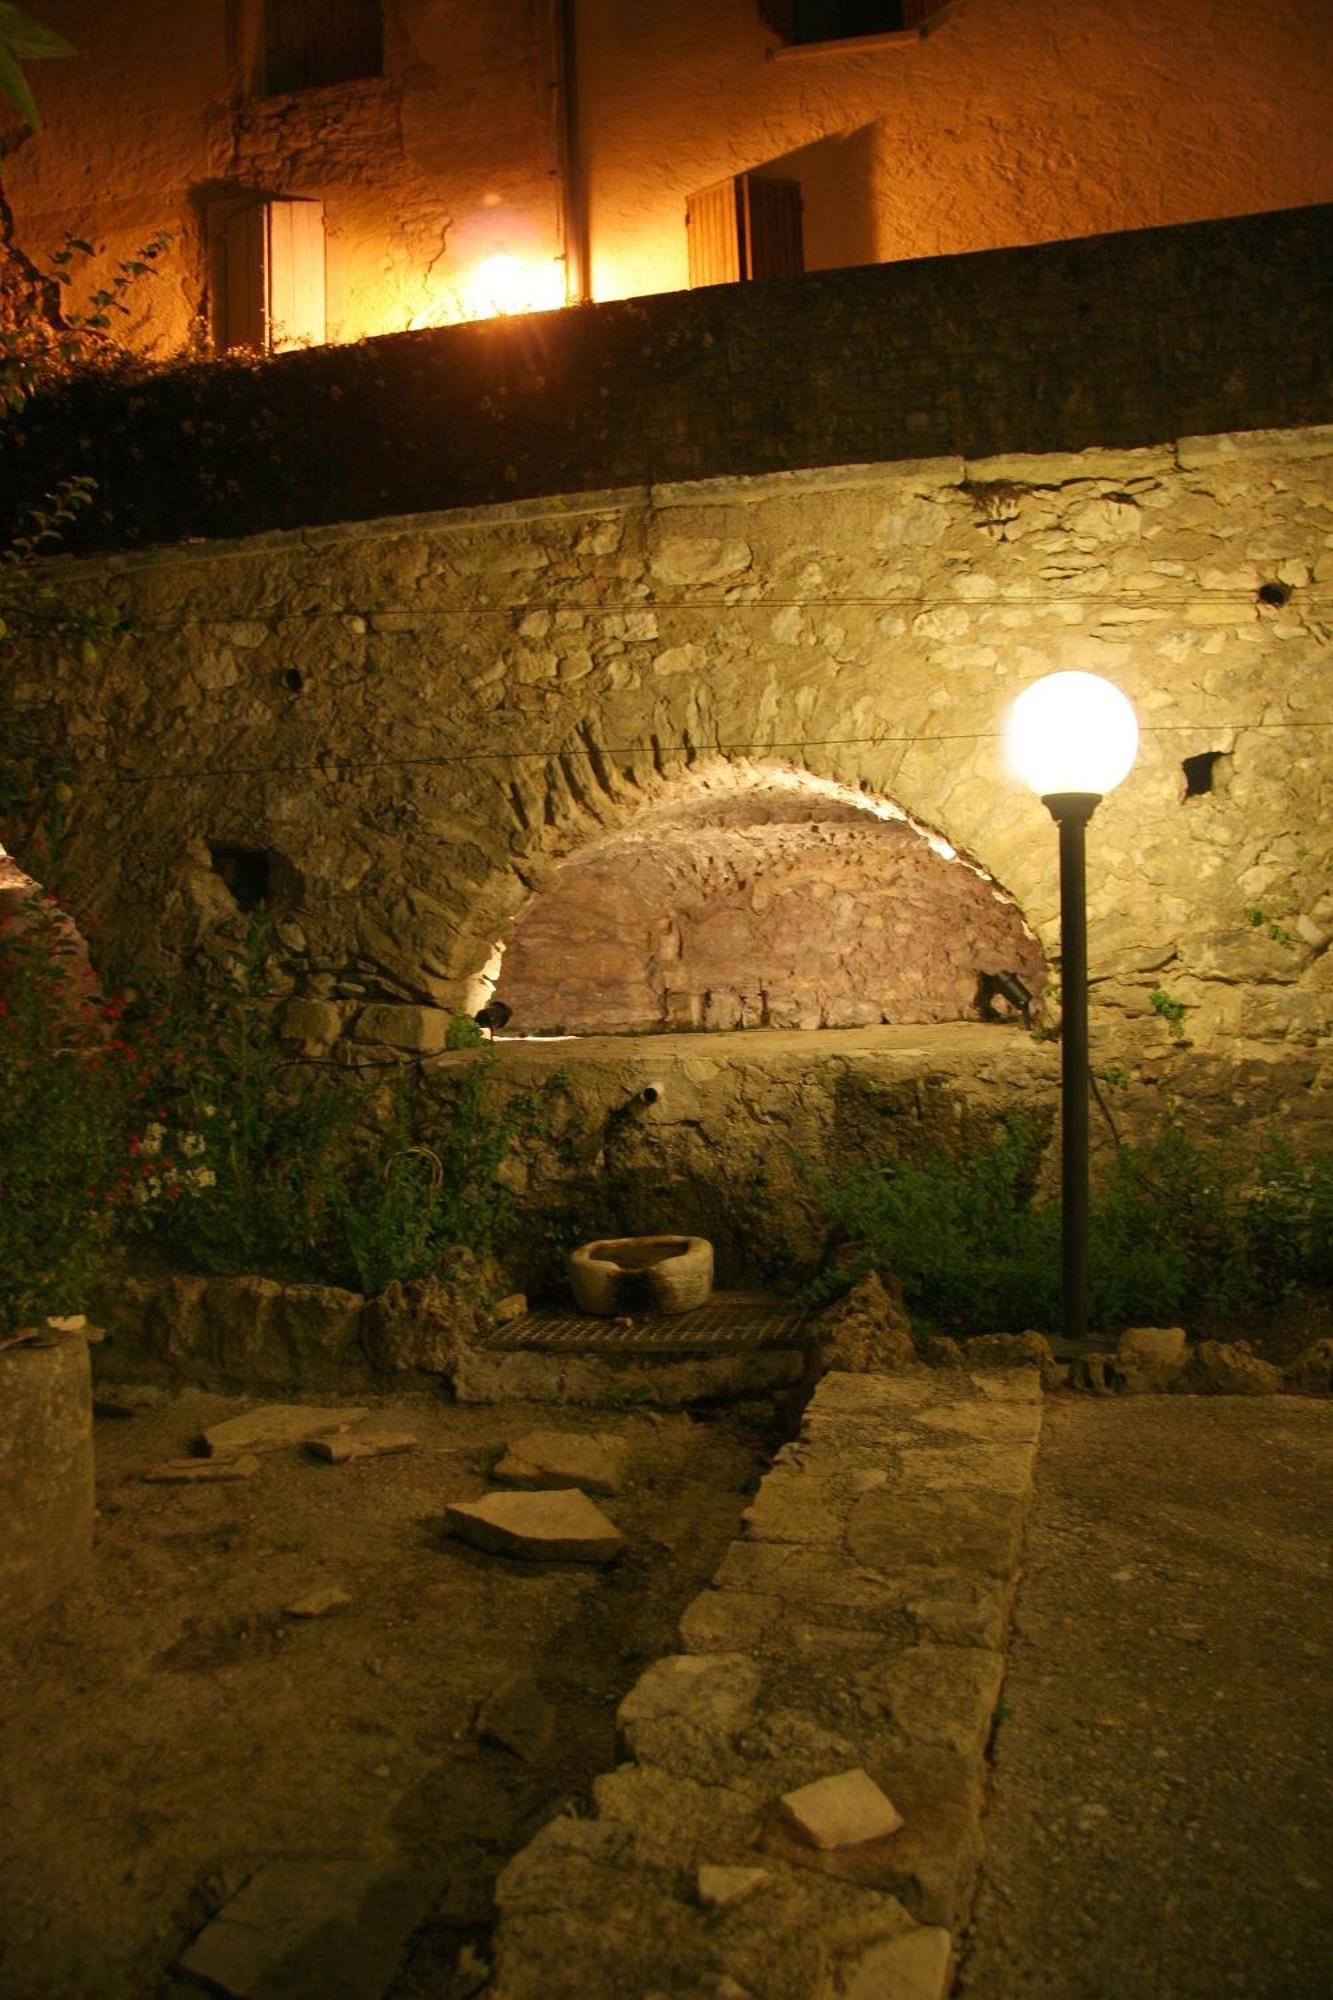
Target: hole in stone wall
{"x": 1274, "y": 595}
{"x": 761, "y": 897}
{"x": 292, "y": 679}
{"x": 1204, "y": 772}
{"x": 246, "y": 871}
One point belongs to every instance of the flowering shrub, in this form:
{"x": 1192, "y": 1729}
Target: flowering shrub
{"x": 70, "y": 1088}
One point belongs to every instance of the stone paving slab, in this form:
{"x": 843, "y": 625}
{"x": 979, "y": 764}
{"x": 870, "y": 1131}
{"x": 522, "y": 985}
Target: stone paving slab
{"x": 858, "y": 1623}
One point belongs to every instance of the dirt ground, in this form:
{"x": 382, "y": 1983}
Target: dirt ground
{"x": 1161, "y": 1824}
{"x": 168, "y": 1729}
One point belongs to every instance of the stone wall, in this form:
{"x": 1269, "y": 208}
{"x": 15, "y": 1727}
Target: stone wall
{"x": 1114, "y": 340}
{"x": 399, "y": 733}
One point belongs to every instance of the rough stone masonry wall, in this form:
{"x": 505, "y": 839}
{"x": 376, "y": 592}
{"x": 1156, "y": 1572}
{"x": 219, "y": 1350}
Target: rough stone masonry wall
{"x": 411, "y": 725}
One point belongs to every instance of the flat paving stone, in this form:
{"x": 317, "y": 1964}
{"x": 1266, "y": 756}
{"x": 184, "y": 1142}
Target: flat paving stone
{"x": 273, "y": 1425}
{"x": 203, "y": 1471}
{"x": 345, "y": 1446}
{"x": 554, "y": 1459}
{"x": 561, "y": 1526}
{"x": 306, "y": 1926}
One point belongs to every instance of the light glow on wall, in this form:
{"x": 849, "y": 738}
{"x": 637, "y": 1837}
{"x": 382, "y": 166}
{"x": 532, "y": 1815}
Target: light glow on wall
{"x": 496, "y": 287}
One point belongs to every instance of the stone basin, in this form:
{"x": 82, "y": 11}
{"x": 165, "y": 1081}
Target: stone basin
{"x": 628, "y": 1274}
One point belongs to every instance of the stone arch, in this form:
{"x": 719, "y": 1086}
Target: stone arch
{"x": 757, "y": 894}
{"x": 26, "y": 907}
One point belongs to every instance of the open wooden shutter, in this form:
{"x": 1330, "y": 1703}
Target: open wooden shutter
{"x": 771, "y": 214}
{"x": 713, "y": 235}
{"x": 749, "y": 227}
{"x": 268, "y": 274}
{"x": 296, "y": 315}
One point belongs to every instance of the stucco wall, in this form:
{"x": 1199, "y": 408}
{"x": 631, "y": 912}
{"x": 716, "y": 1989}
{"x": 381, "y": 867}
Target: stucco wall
{"x": 1014, "y": 121}
{"x": 418, "y": 720}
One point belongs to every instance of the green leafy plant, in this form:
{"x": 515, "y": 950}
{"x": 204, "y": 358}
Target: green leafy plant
{"x": 1169, "y": 1009}
{"x": 24, "y": 40}
{"x": 1260, "y": 920}
{"x": 71, "y": 1095}
{"x": 1175, "y": 1232}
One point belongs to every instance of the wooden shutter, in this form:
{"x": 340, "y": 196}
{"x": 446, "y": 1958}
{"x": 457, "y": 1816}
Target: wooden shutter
{"x": 268, "y": 275}
{"x": 713, "y": 233}
{"x": 296, "y": 316}
{"x": 771, "y": 213}
{"x": 309, "y": 42}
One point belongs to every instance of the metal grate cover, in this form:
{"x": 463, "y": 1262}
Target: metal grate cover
{"x": 722, "y": 1326}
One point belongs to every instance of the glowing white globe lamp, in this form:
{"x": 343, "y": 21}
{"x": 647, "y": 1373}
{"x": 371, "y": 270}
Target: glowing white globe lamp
{"x": 1072, "y": 737}
{"x": 1071, "y": 732}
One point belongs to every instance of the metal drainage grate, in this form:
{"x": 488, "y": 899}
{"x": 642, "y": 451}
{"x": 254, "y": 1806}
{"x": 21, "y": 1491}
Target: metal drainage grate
{"x": 723, "y": 1326}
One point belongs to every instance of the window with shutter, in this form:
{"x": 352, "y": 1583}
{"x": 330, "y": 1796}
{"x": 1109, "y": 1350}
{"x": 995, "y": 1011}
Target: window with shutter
{"x": 749, "y": 227}
{"x": 799, "y": 21}
{"x": 311, "y": 42}
{"x": 267, "y": 267}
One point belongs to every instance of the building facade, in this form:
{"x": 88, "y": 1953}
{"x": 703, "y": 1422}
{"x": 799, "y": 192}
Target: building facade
{"x": 354, "y": 167}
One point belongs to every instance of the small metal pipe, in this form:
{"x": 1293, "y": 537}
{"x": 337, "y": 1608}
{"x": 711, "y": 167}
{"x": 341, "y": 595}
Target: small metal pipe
{"x": 1071, "y": 812}
{"x": 575, "y": 227}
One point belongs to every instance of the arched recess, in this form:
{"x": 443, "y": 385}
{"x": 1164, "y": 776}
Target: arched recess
{"x": 759, "y": 895}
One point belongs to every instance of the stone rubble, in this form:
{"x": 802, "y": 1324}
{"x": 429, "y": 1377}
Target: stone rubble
{"x": 553, "y": 1459}
{"x": 297, "y": 1917}
{"x": 272, "y": 1426}
{"x": 203, "y": 1471}
{"x": 517, "y": 1717}
{"x": 319, "y": 1603}
{"x": 347, "y": 1445}
{"x": 844, "y": 1810}
{"x": 556, "y": 1526}
{"x": 857, "y": 1625}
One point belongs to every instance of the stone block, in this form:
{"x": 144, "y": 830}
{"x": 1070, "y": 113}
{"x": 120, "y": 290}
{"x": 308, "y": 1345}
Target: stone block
{"x": 305, "y": 1924}
{"x": 272, "y": 1426}
{"x": 552, "y": 1459}
{"x": 722, "y": 1888}
{"x": 562, "y": 1526}
{"x": 846, "y": 1809}
{"x": 685, "y": 1711}
{"x": 915, "y": 1965}
{"x": 46, "y": 1475}
{"x": 203, "y": 1471}
{"x": 417, "y": 1030}
{"x": 312, "y": 1025}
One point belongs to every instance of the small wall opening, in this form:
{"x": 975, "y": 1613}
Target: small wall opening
{"x": 1205, "y": 772}
{"x": 246, "y": 871}
{"x": 766, "y": 899}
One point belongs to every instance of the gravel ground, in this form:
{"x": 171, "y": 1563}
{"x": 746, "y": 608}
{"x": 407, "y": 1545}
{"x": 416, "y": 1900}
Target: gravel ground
{"x": 166, "y": 1730}
{"x": 1162, "y": 1816}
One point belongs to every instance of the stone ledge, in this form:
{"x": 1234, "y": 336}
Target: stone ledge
{"x": 842, "y": 1646}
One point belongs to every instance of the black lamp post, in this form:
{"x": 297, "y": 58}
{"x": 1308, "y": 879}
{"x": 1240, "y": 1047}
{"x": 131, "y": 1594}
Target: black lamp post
{"x": 1072, "y": 737}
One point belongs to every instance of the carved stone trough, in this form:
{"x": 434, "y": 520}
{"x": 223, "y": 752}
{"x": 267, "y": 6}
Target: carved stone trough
{"x": 628, "y": 1274}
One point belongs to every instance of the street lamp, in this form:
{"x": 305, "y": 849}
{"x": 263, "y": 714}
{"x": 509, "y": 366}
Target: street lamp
{"x": 1072, "y": 737}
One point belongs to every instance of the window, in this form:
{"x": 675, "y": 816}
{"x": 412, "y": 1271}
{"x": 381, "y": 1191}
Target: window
{"x": 267, "y": 273}
{"x": 844, "y": 20}
{"x": 749, "y": 227}
{"x": 310, "y": 42}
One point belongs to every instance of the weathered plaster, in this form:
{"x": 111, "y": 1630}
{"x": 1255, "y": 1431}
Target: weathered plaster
{"x": 1012, "y": 122}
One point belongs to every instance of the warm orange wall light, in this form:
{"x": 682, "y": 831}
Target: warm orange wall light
{"x": 498, "y": 285}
